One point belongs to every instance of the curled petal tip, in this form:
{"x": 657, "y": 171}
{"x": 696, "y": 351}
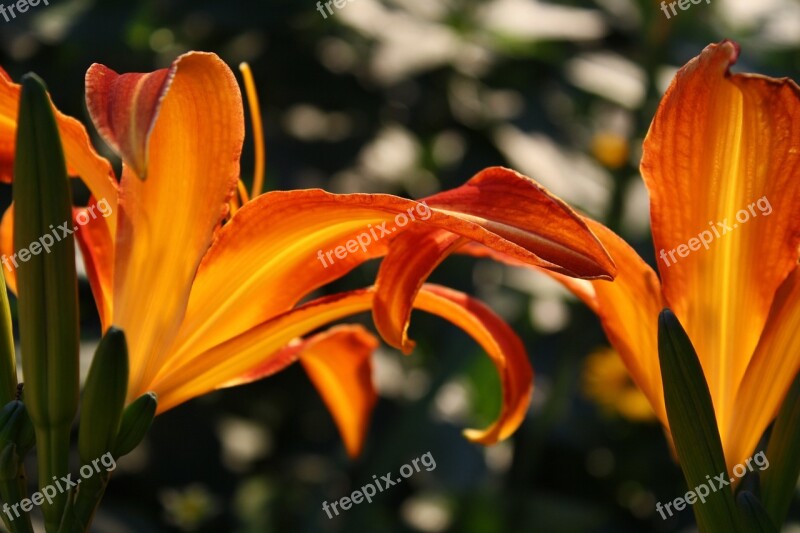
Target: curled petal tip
{"x": 124, "y": 108}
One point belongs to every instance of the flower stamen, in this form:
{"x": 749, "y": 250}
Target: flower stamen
{"x": 258, "y": 132}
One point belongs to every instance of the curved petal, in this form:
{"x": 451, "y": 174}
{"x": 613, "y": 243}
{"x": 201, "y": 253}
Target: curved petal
{"x": 282, "y": 244}
{"x": 721, "y": 162}
{"x": 769, "y": 376}
{"x": 97, "y": 249}
{"x": 628, "y": 309}
{"x": 7, "y": 248}
{"x": 501, "y": 344}
{"x": 338, "y": 362}
{"x": 412, "y": 258}
{"x": 166, "y": 222}
{"x": 560, "y": 238}
{"x": 205, "y": 371}
{"x": 524, "y": 213}
{"x": 81, "y": 159}
{"x": 124, "y": 108}
{"x": 9, "y": 107}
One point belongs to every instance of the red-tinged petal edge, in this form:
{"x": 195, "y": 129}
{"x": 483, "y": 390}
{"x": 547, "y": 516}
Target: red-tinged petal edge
{"x": 229, "y": 360}
{"x": 7, "y": 248}
{"x": 412, "y": 256}
{"x": 501, "y": 344}
{"x": 124, "y": 108}
{"x": 512, "y": 206}
{"x": 524, "y": 213}
{"x": 339, "y": 364}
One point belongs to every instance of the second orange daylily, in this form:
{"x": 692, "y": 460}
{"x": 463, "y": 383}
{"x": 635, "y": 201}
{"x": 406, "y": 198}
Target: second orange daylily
{"x": 719, "y": 144}
{"x": 208, "y": 299}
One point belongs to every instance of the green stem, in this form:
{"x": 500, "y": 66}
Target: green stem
{"x": 53, "y": 456}
{"x": 88, "y": 498}
{"x": 13, "y": 491}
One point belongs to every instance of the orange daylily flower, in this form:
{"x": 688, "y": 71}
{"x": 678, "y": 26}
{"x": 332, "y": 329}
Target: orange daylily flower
{"x": 720, "y": 144}
{"x": 209, "y": 298}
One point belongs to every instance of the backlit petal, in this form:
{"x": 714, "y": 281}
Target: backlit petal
{"x": 124, "y": 108}
{"x": 412, "y": 257}
{"x": 724, "y": 150}
{"x": 501, "y": 344}
{"x": 222, "y": 363}
{"x": 772, "y": 369}
{"x": 9, "y": 107}
{"x": 628, "y": 309}
{"x": 7, "y": 248}
{"x": 167, "y": 221}
{"x": 522, "y": 212}
{"x": 514, "y": 207}
{"x": 81, "y": 158}
{"x": 97, "y": 249}
{"x": 338, "y": 362}
{"x": 283, "y": 245}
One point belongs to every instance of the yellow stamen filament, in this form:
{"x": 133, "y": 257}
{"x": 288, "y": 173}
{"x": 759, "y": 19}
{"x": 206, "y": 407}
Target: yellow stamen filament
{"x": 242, "y": 192}
{"x": 258, "y": 132}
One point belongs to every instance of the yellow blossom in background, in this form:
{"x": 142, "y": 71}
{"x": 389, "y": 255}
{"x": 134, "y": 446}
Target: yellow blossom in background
{"x": 606, "y": 381}
{"x": 611, "y": 149}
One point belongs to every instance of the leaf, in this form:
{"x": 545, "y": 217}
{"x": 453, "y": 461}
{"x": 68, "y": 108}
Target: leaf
{"x": 693, "y": 424}
{"x": 778, "y": 482}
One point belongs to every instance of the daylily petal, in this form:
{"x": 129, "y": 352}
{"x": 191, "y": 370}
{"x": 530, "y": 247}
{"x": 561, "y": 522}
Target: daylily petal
{"x": 628, "y": 309}
{"x": 167, "y": 221}
{"x": 224, "y": 362}
{"x": 719, "y": 144}
{"x": 206, "y": 371}
{"x": 7, "y": 248}
{"x": 769, "y": 376}
{"x": 97, "y": 249}
{"x": 513, "y": 206}
{"x": 277, "y": 245}
{"x": 81, "y": 158}
{"x": 124, "y": 108}
{"x": 412, "y": 257}
{"x": 501, "y": 344}
{"x": 265, "y": 260}
{"x": 522, "y": 212}
{"x": 9, "y": 107}
{"x": 338, "y": 361}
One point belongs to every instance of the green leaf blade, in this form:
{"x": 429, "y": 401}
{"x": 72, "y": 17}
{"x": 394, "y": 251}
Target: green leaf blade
{"x": 693, "y": 424}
